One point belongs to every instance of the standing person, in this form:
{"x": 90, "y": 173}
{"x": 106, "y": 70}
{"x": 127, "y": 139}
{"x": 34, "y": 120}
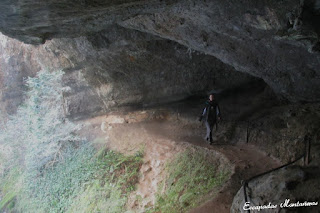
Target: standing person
{"x": 211, "y": 113}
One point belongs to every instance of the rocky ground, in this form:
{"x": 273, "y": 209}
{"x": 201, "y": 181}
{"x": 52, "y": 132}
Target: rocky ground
{"x": 166, "y": 130}
{"x": 163, "y": 139}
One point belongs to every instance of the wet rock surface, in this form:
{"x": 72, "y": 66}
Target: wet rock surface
{"x": 283, "y": 189}
{"x": 277, "y": 41}
{"x": 248, "y": 37}
{"x": 117, "y": 67}
{"x": 282, "y": 131}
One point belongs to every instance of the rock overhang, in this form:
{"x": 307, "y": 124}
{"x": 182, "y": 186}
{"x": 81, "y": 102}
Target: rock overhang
{"x": 274, "y": 40}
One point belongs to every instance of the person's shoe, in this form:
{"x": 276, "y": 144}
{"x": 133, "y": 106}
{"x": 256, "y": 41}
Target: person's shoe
{"x": 207, "y": 140}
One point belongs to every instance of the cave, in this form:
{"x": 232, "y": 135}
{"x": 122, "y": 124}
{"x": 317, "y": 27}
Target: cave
{"x": 129, "y": 79}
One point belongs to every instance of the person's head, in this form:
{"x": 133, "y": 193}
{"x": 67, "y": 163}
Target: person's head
{"x": 211, "y": 97}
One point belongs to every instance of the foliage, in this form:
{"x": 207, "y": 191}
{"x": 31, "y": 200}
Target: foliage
{"x": 48, "y": 168}
{"x": 45, "y": 167}
{"x": 54, "y": 189}
{"x": 10, "y": 186}
{"x": 38, "y": 132}
{"x": 82, "y": 181}
{"x": 35, "y": 136}
{"x": 48, "y": 129}
{"x": 108, "y": 192}
{"x": 190, "y": 177}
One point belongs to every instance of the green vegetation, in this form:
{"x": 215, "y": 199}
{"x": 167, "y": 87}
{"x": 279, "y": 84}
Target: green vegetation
{"x": 85, "y": 181}
{"x": 45, "y": 167}
{"x": 10, "y": 188}
{"x": 108, "y": 192}
{"x": 190, "y": 177}
{"x": 37, "y": 134}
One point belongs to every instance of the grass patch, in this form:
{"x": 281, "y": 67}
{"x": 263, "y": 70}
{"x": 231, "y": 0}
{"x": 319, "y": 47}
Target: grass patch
{"x": 191, "y": 176}
{"x": 109, "y": 192}
{"x": 85, "y": 181}
{"x": 10, "y": 186}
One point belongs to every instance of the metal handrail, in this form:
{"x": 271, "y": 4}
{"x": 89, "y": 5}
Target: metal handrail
{"x": 305, "y": 156}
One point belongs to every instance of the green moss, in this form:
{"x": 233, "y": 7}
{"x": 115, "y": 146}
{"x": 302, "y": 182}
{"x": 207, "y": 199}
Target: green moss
{"x": 191, "y": 176}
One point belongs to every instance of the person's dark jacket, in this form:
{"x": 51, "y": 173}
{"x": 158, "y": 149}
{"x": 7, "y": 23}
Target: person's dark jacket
{"x": 211, "y": 112}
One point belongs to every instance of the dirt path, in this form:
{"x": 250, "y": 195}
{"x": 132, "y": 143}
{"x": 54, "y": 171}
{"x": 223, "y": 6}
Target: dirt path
{"x": 164, "y": 134}
{"x": 248, "y": 161}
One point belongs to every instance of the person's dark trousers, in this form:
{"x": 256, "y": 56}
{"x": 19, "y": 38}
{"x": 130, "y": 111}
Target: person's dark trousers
{"x": 209, "y": 126}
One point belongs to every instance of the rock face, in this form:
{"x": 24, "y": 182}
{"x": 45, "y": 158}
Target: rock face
{"x": 252, "y": 37}
{"x": 286, "y": 131}
{"x": 291, "y": 184}
{"x": 116, "y": 67}
{"x": 281, "y": 131}
{"x": 277, "y": 41}
{"x": 36, "y": 21}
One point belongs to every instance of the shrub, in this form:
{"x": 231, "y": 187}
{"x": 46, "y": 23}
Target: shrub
{"x": 53, "y": 170}
{"x": 48, "y": 129}
{"x": 117, "y": 177}
{"x": 38, "y": 132}
{"x": 190, "y": 177}
{"x": 82, "y": 182}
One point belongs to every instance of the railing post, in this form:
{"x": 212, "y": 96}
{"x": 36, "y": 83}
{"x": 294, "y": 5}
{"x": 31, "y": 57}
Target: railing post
{"x": 248, "y": 132}
{"x": 245, "y": 184}
{"x": 307, "y": 156}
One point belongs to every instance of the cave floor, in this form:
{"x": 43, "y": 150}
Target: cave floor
{"x": 166, "y": 130}
{"x": 246, "y": 159}
{"x": 161, "y": 132}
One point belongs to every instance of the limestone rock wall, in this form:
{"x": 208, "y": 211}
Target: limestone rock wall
{"x": 274, "y": 40}
{"x": 116, "y": 67}
{"x": 277, "y": 41}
